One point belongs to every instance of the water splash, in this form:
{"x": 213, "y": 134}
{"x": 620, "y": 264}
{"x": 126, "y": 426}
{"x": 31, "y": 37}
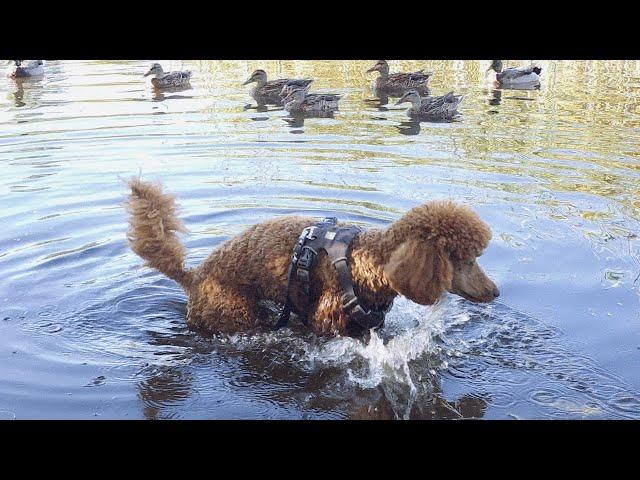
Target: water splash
{"x": 480, "y": 347}
{"x": 386, "y": 356}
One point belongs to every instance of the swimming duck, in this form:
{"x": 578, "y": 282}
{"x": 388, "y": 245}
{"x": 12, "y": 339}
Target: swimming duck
{"x": 399, "y": 81}
{"x": 515, "y": 76}
{"x": 299, "y": 101}
{"x": 162, "y": 79}
{"x": 33, "y": 68}
{"x": 271, "y": 90}
{"x": 444, "y": 107}
{"x": 291, "y": 87}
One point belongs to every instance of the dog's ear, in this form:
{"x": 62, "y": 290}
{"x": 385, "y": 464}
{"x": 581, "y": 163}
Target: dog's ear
{"x": 419, "y": 270}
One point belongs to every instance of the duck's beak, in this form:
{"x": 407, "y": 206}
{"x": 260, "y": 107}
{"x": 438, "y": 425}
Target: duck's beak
{"x": 249, "y": 80}
{"x": 147, "y": 74}
{"x": 402, "y": 100}
{"x": 372, "y": 69}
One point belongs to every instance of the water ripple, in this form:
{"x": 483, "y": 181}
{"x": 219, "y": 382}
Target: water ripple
{"x": 87, "y": 331}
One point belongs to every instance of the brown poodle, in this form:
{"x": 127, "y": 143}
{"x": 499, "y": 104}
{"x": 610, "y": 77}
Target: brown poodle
{"x": 430, "y": 250}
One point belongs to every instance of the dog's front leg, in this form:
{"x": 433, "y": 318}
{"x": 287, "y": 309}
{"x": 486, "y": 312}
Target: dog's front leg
{"x": 326, "y": 315}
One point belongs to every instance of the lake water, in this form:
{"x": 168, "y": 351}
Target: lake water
{"x": 86, "y": 331}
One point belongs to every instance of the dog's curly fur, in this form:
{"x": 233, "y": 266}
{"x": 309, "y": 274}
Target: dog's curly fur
{"x": 428, "y": 251}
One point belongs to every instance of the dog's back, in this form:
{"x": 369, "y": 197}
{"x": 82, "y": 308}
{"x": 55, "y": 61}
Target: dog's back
{"x": 249, "y": 267}
{"x": 257, "y": 258}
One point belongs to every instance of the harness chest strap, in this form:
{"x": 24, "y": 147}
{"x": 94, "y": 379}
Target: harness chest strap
{"x": 334, "y": 240}
{"x": 283, "y": 318}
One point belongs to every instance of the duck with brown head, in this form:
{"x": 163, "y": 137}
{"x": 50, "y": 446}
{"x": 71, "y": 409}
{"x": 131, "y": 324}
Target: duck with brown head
{"x": 399, "y": 83}
{"x": 269, "y": 90}
{"x": 299, "y": 101}
{"x": 161, "y": 79}
{"x": 444, "y": 107}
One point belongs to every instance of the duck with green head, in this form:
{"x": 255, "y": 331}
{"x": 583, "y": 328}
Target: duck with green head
{"x": 32, "y": 68}
{"x": 515, "y": 76}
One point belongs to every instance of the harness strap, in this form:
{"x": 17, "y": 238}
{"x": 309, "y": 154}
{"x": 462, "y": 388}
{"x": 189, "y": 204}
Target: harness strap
{"x": 283, "y": 318}
{"x": 335, "y": 241}
{"x": 367, "y": 319}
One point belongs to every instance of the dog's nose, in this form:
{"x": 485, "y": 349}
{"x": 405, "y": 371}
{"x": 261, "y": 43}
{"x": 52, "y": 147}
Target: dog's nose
{"x": 496, "y": 293}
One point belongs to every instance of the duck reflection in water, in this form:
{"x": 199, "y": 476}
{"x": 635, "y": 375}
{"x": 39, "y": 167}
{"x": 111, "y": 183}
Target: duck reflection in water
{"x": 33, "y": 89}
{"x": 380, "y": 101}
{"x": 296, "y": 120}
{"x": 260, "y": 107}
{"x": 530, "y": 87}
{"x": 18, "y": 93}
{"x": 160, "y": 95}
{"x": 496, "y": 98}
{"x": 412, "y": 126}
{"x": 409, "y": 127}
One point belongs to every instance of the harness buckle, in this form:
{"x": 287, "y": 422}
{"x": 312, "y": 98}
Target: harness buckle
{"x": 370, "y": 319}
{"x": 311, "y": 234}
{"x": 349, "y": 301}
{"x": 306, "y": 258}
{"x": 304, "y": 235}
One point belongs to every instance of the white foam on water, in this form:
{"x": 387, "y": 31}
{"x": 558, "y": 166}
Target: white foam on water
{"x": 409, "y": 334}
{"x": 384, "y": 357}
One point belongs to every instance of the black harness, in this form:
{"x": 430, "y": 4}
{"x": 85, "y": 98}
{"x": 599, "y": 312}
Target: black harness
{"x": 334, "y": 240}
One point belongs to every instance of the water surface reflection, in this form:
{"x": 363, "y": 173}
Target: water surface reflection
{"x": 86, "y": 331}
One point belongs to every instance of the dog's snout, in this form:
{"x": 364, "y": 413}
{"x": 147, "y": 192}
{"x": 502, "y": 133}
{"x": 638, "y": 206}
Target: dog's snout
{"x": 496, "y": 293}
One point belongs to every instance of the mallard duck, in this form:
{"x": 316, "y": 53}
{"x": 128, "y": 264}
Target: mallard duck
{"x": 162, "y": 79}
{"x": 299, "y": 101}
{"x": 515, "y": 76}
{"x": 399, "y": 82}
{"x": 33, "y": 68}
{"x": 291, "y": 87}
{"x": 444, "y": 107}
{"x": 271, "y": 90}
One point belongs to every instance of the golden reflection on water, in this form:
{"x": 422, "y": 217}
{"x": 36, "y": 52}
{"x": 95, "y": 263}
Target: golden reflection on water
{"x": 547, "y": 168}
{"x": 581, "y": 116}
{"x": 577, "y": 133}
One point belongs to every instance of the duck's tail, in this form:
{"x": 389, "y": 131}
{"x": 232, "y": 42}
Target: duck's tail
{"x": 153, "y": 230}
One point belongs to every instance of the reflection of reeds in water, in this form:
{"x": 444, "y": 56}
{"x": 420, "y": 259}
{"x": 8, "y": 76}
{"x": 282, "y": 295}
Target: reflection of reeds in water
{"x": 561, "y": 136}
{"x": 572, "y": 135}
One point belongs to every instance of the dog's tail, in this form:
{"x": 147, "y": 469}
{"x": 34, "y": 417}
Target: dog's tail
{"x": 153, "y": 230}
